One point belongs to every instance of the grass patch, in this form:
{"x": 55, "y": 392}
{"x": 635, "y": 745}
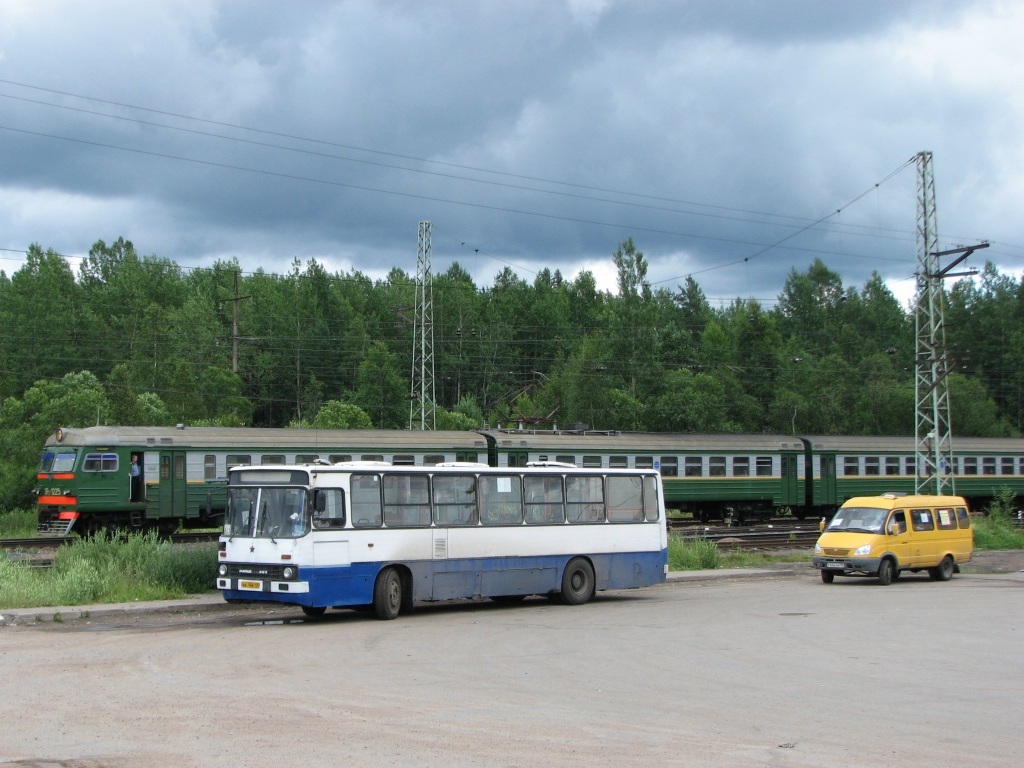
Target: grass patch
{"x": 142, "y": 567}
{"x": 692, "y": 554}
{"x": 994, "y": 533}
{"x": 18, "y": 523}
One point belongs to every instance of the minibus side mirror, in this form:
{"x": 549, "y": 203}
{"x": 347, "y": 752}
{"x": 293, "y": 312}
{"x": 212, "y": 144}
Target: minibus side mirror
{"x": 821, "y": 524}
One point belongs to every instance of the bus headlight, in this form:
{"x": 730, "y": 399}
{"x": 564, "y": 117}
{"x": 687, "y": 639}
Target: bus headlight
{"x": 222, "y": 569}
{"x": 288, "y": 572}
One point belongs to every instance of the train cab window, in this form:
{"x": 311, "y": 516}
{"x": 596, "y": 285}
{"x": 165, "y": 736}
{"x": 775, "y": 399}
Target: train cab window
{"x": 871, "y": 465}
{"x": 716, "y": 466}
{"x": 969, "y": 465}
{"x": 618, "y": 461}
{"x": 741, "y": 466}
{"x": 584, "y": 499}
{"x": 209, "y": 467}
{"x": 238, "y": 459}
{"x": 454, "y": 500}
{"x": 922, "y": 520}
{"x": 625, "y": 499}
{"x": 693, "y": 466}
{"x": 988, "y": 465}
{"x": 337, "y": 458}
{"x": 307, "y": 458}
{"x": 433, "y": 459}
{"x": 544, "y": 503}
{"x": 946, "y": 518}
{"x": 669, "y": 466}
{"x": 963, "y": 517}
{"x": 272, "y": 458}
{"x": 372, "y": 457}
{"x": 1006, "y": 466}
{"x": 763, "y": 466}
{"x": 501, "y": 500}
{"x": 364, "y": 497}
{"x": 100, "y": 462}
{"x": 403, "y": 460}
{"x": 851, "y": 466}
{"x": 333, "y": 513}
{"x": 644, "y": 462}
{"x": 592, "y": 461}
{"x": 406, "y": 500}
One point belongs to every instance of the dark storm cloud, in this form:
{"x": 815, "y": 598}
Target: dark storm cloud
{"x": 532, "y": 134}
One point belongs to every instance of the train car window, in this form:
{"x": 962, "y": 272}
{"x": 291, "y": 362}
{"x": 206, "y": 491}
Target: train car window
{"x": 716, "y": 466}
{"x": 693, "y": 466}
{"x": 1006, "y": 466}
{"x": 625, "y": 499}
{"x": 333, "y": 513}
{"x": 851, "y": 466}
{"x": 644, "y": 462}
{"x": 501, "y": 500}
{"x": 307, "y": 458}
{"x": 651, "y": 499}
{"x": 433, "y": 459}
{"x": 969, "y": 465}
{"x": 592, "y": 461}
{"x": 741, "y": 466}
{"x": 584, "y": 499}
{"x": 272, "y": 458}
{"x": 909, "y": 466}
{"x": 963, "y": 517}
{"x": 209, "y": 466}
{"x": 406, "y": 501}
{"x": 364, "y": 495}
{"x": 763, "y": 466}
{"x": 669, "y": 466}
{"x": 892, "y": 465}
{"x": 99, "y": 462}
{"x": 946, "y": 518}
{"x": 337, "y": 458}
{"x": 454, "y": 499}
{"x": 922, "y": 520}
{"x": 544, "y": 503}
{"x": 403, "y": 460}
{"x": 372, "y": 457}
{"x": 988, "y": 465}
{"x": 871, "y": 465}
{"x": 566, "y": 459}
{"x": 618, "y": 462}
{"x": 238, "y": 459}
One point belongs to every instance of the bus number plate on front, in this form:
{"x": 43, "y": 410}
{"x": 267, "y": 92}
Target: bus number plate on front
{"x": 258, "y": 585}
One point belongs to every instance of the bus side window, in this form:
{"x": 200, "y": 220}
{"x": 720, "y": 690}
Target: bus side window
{"x": 625, "y": 499}
{"x": 332, "y": 513}
{"x": 365, "y": 499}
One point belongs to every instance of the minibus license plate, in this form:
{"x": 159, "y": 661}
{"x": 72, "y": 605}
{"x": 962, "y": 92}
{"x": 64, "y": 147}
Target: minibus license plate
{"x": 827, "y": 565}
{"x": 250, "y": 585}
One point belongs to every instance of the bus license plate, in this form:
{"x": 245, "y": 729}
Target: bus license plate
{"x": 258, "y": 585}
{"x": 834, "y": 565}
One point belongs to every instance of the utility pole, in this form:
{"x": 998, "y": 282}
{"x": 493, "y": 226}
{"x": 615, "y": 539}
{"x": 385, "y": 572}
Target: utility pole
{"x": 932, "y": 434}
{"x": 234, "y": 320}
{"x": 422, "y": 409}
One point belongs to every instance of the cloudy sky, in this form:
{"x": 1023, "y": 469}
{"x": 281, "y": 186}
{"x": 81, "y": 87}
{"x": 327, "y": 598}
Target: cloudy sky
{"x": 733, "y": 140}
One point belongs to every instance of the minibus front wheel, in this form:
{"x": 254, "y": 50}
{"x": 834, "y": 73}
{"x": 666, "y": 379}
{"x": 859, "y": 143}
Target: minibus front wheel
{"x": 886, "y": 571}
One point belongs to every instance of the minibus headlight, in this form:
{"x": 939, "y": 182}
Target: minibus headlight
{"x": 863, "y": 549}
{"x": 223, "y": 569}
{"x": 817, "y": 548}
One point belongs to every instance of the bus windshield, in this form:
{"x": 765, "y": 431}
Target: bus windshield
{"x": 57, "y": 460}
{"x": 860, "y": 519}
{"x": 266, "y": 512}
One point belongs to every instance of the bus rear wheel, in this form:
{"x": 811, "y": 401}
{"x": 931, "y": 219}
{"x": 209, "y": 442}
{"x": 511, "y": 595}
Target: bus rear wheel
{"x": 577, "y": 582}
{"x": 310, "y": 610}
{"x": 387, "y": 594}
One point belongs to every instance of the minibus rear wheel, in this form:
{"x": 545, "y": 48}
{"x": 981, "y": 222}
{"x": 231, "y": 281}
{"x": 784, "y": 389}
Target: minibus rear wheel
{"x": 944, "y": 571}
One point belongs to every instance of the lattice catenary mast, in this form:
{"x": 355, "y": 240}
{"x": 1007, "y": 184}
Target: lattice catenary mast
{"x": 422, "y": 409}
{"x": 932, "y": 434}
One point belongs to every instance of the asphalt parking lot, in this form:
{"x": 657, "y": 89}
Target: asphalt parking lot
{"x": 766, "y": 668}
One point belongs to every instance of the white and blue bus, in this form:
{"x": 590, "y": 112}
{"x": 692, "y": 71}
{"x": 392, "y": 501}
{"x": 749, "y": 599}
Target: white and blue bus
{"x": 371, "y": 535}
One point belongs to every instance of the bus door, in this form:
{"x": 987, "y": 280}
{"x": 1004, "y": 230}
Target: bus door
{"x": 173, "y": 484}
{"x": 825, "y": 486}
{"x": 790, "y": 480}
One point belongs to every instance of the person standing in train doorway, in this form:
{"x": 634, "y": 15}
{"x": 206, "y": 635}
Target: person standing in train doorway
{"x": 136, "y": 479}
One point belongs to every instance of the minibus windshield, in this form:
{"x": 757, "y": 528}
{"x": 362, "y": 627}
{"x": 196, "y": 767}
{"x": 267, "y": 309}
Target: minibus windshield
{"x": 860, "y": 519}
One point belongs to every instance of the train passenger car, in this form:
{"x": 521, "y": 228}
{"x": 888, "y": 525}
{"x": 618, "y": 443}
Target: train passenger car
{"x": 725, "y": 476}
{"x": 85, "y": 478}
{"x": 370, "y": 534}
{"x": 845, "y": 467}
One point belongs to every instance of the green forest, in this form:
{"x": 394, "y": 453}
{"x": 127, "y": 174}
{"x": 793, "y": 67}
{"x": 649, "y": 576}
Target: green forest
{"x": 134, "y": 339}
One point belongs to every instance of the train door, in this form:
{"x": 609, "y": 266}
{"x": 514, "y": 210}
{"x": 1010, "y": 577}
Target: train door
{"x": 173, "y": 484}
{"x": 790, "y": 480}
{"x": 518, "y": 458}
{"x": 826, "y": 482}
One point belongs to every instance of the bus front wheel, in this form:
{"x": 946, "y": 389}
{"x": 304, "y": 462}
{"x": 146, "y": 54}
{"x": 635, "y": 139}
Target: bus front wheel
{"x": 577, "y": 582}
{"x": 387, "y": 594}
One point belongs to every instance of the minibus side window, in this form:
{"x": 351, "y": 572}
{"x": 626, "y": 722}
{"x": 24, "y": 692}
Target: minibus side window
{"x": 963, "y": 517}
{"x": 947, "y": 518}
{"x": 897, "y": 523}
{"x": 922, "y": 520}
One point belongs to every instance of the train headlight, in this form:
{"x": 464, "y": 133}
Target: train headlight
{"x": 288, "y": 572}
{"x": 222, "y": 569}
